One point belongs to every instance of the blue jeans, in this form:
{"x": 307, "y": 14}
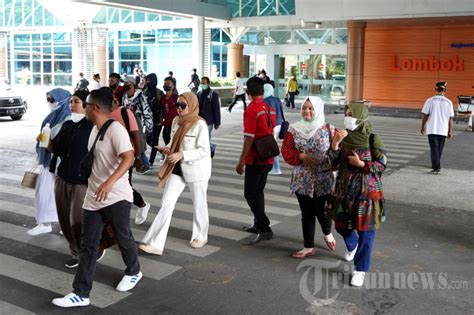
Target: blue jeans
{"x": 364, "y": 240}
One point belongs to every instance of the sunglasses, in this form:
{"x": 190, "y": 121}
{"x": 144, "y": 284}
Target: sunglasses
{"x": 180, "y": 105}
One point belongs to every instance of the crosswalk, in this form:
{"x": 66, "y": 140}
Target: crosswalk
{"x": 228, "y": 211}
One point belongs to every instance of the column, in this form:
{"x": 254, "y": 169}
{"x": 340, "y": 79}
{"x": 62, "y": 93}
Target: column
{"x": 3, "y": 57}
{"x": 270, "y": 61}
{"x": 355, "y": 61}
{"x": 235, "y": 53}
{"x": 100, "y": 55}
{"x": 198, "y": 44}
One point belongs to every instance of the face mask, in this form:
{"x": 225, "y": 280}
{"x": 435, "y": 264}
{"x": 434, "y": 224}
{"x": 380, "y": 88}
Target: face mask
{"x": 350, "y": 123}
{"x": 267, "y": 94}
{"x": 113, "y": 86}
{"x": 203, "y": 87}
{"x": 126, "y": 87}
{"x": 77, "y": 117}
{"x": 52, "y": 106}
{"x": 167, "y": 88}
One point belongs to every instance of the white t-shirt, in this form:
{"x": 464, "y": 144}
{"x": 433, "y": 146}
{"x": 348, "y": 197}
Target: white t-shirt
{"x": 94, "y": 86}
{"x": 440, "y": 110}
{"x": 239, "y": 85}
{"x": 106, "y": 160}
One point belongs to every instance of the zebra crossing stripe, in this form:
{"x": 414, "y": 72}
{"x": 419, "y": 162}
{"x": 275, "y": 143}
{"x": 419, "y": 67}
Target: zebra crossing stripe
{"x": 56, "y": 281}
{"x": 7, "y": 308}
{"x": 151, "y": 268}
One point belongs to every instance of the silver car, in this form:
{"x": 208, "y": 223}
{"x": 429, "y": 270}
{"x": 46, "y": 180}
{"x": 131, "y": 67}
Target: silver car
{"x": 11, "y": 104}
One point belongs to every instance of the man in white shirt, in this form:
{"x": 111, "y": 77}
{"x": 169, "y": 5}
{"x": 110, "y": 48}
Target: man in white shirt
{"x": 109, "y": 198}
{"x": 95, "y": 85}
{"x": 239, "y": 92}
{"x": 437, "y": 123}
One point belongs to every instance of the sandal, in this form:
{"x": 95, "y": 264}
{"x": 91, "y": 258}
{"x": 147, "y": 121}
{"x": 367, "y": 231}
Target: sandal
{"x": 330, "y": 242}
{"x": 301, "y": 255}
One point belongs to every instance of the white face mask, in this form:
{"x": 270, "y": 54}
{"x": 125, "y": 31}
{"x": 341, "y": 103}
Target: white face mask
{"x": 77, "y": 117}
{"x": 350, "y": 123}
{"x": 52, "y": 106}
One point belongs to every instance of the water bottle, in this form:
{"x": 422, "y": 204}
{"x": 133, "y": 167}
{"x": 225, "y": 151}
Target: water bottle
{"x": 45, "y": 135}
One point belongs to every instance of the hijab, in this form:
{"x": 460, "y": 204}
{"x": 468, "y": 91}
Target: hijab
{"x": 185, "y": 123}
{"x": 359, "y": 138}
{"x": 306, "y": 129}
{"x": 55, "y": 119}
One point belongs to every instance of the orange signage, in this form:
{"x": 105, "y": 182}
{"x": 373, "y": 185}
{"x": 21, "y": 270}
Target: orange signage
{"x": 429, "y": 64}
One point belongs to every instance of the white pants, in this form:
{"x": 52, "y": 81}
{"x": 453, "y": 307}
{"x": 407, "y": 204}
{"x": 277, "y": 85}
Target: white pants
{"x": 156, "y": 235}
{"x": 44, "y": 197}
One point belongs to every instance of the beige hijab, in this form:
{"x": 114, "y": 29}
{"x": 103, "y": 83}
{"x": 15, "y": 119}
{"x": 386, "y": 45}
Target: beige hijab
{"x": 185, "y": 123}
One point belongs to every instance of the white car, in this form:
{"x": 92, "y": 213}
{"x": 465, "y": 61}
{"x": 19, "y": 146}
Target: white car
{"x": 11, "y": 104}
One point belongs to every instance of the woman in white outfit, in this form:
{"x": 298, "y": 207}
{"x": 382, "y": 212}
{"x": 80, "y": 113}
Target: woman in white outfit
{"x": 188, "y": 162}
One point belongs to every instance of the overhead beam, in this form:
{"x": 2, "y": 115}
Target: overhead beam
{"x": 175, "y": 7}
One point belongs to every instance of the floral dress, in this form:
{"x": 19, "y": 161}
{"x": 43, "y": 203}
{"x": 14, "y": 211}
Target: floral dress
{"x": 311, "y": 182}
{"x": 359, "y": 200}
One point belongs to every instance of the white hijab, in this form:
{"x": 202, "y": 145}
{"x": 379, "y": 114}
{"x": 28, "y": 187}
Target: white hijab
{"x": 306, "y": 129}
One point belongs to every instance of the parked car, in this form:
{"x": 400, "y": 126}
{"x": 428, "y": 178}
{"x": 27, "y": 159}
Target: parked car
{"x": 338, "y": 89}
{"x": 11, "y": 104}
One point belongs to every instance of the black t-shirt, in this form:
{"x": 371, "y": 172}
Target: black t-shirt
{"x": 71, "y": 146}
{"x": 177, "y": 169}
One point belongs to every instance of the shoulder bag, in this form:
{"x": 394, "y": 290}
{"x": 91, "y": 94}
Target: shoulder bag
{"x": 87, "y": 162}
{"x": 266, "y": 146}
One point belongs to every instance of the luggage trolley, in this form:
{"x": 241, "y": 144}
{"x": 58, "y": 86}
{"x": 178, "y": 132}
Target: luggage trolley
{"x": 465, "y": 107}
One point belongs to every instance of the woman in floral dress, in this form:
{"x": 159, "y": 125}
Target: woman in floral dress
{"x": 305, "y": 147}
{"x": 358, "y": 207}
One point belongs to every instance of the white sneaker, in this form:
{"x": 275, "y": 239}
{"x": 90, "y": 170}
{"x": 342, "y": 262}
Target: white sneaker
{"x": 40, "y": 229}
{"x": 129, "y": 282}
{"x": 142, "y": 213}
{"x": 357, "y": 279}
{"x": 71, "y": 300}
{"x": 278, "y": 172}
{"x": 349, "y": 255}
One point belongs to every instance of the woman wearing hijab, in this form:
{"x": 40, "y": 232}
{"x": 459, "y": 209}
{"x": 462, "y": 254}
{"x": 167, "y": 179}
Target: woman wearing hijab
{"x": 58, "y": 103}
{"x": 306, "y": 147}
{"x": 275, "y": 103}
{"x": 358, "y": 206}
{"x": 188, "y": 162}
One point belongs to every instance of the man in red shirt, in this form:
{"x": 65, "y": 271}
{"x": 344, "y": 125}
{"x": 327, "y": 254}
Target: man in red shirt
{"x": 256, "y": 126}
{"x": 168, "y": 109}
{"x": 117, "y": 89}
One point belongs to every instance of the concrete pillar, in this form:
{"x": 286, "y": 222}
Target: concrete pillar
{"x": 3, "y": 57}
{"x": 270, "y": 61}
{"x": 100, "y": 55}
{"x": 235, "y": 53}
{"x": 198, "y": 44}
{"x": 355, "y": 61}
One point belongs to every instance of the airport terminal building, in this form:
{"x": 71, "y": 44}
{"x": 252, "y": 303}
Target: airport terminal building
{"x": 388, "y": 52}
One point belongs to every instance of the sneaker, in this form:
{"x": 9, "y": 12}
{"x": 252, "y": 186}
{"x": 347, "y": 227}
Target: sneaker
{"x": 71, "y": 300}
{"x": 101, "y": 255}
{"x": 144, "y": 170}
{"x": 198, "y": 243}
{"x": 434, "y": 172}
{"x": 349, "y": 255}
{"x": 142, "y": 213}
{"x": 72, "y": 263}
{"x": 129, "y": 282}
{"x": 358, "y": 278}
{"x": 229, "y": 110}
{"x": 40, "y": 229}
{"x": 278, "y": 172}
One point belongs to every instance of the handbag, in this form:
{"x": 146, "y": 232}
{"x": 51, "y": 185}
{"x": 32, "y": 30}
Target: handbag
{"x": 29, "y": 178}
{"x": 85, "y": 168}
{"x": 266, "y": 146}
{"x": 284, "y": 127}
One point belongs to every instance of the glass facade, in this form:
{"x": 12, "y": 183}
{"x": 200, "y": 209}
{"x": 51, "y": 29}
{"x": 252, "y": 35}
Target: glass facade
{"x": 119, "y": 16}
{"x": 25, "y": 13}
{"x": 219, "y": 42}
{"x": 41, "y": 58}
{"x": 296, "y": 36}
{"x": 246, "y": 8}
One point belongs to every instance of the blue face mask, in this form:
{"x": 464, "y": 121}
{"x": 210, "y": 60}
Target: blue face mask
{"x": 203, "y": 87}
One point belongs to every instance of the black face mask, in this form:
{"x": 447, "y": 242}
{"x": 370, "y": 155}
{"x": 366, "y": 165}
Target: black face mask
{"x": 127, "y": 87}
{"x": 167, "y": 88}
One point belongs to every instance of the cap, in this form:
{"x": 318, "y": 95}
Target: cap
{"x": 129, "y": 80}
